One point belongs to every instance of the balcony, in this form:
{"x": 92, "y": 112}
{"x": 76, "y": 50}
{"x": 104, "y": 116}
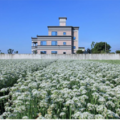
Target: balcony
{"x": 52, "y": 47}
{"x": 50, "y": 38}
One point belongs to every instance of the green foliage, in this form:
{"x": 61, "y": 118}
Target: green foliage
{"x": 79, "y": 52}
{"x": 117, "y": 51}
{"x": 102, "y": 52}
{"x": 10, "y": 51}
{"x": 16, "y": 52}
{"x": 88, "y": 50}
{"x": 35, "y": 52}
{"x": 107, "y": 61}
{"x": 92, "y": 44}
{"x": 112, "y": 53}
{"x": 1, "y": 52}
{"x": 100, "y": 48}
{"x": 95, "y": 51}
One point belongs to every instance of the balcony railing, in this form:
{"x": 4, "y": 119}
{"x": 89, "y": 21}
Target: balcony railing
{"x": 52, "y": 47}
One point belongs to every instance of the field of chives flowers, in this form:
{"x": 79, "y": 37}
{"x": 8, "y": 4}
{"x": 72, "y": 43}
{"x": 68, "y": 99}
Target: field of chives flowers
{"x": 108, "y": 61}
{"x": 65, "y": 89}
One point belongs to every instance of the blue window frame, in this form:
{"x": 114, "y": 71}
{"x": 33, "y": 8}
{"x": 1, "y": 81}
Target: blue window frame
{"x": 43, "y": 52}
{"x": 64, "y": 43}
{"x": 64, "y": 33}
{"x": 74, "y": 47}
{"x": 74, "y": 38}
{"x": 43, "y": 42}
{"x": 54, "y": 33}
{"x": 53, "y": 52}
{"x": 54, "y": 43}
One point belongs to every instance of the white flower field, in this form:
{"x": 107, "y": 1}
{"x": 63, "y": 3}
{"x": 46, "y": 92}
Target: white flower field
{"x": 59, "y": 89}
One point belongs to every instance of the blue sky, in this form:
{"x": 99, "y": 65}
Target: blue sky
{"x": 99, "y": 20}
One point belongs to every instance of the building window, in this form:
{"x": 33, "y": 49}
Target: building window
{"x": 54, "y": 43}
{"x": 64, "y": 33}
{"x": 74, "y": 47}
{"x": 74, "y": 38}
{"x": 43, "y": 52}
{"x": 64, "y": 52}
{"x": 53, "y": 52}
{"x": 54, "y": 33}
{"x": 43, "y": 42}
{"x": 64, "y": 43}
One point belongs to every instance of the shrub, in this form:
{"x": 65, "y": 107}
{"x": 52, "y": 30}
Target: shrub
{"x": 95, "y": 51}
{"x": 117, "y": 51}
{"x": 112, "y": 53}
{"x": 102, "y": 52}
{"x": 79, "y": 52}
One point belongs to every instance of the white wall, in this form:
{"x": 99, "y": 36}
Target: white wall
{"x": 65, "y": 56}
{"x": 20, "y": 56}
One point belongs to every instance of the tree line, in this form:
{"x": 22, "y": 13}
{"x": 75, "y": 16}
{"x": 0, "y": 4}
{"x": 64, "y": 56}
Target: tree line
{"x": 10, "y": 51}
{"x": 98, "y": 48}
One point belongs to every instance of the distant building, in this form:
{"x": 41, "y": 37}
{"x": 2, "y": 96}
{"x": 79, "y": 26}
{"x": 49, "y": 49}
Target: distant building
{"x": 81, "y": 48}
{"x": 60, "y": 40}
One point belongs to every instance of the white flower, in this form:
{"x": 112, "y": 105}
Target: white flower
{"x": 36, "y": 93}
{"x": 32, "y": 85}
{"x": 4, "y": 97}
{"x": 95, "y": 95}
{"x": 76, "y": 115}
{"x": 52, "y": 106}
{"x": 99, "y": 116}
{"x": 118, "y": 110}
{"x": 5, "y": 114}
{"x": 4, "y": 89}
{"x": 86, "y": 115}
{"x": 69, "y": 102}
{"x": 90, "y": 106}
{"x": 25, "y": 117}
{"x": 1, "y": 117}
{"x": 110, "y": 113}
{"x": 79, "y": 104}
{"x": 100, "y": 108}
{"x": 101, "y": 100}
{"x": 8, "y": 109}
{"x": 110, "y": 103}
{"x": 64, "y": 109}
{"x": 62, "y": 113}
{"x": 60, "y": 100}
{"x": 48, "y": 116}
{"x": 23, "y": 88}
{"x": 40, "y": 117}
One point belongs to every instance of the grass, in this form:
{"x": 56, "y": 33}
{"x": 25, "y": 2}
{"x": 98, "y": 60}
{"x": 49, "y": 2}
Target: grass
{"x": 108, "y": 61}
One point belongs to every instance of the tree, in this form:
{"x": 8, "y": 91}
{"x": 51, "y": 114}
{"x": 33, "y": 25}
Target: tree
{"x": 16, "y": 52}
{"x": 1, "y": 52}
{"x": 88, "y": 50}
{"x": 92, "y": 44}
{"x": 79, "y": 51}
{"x": 10, "y": 51}
{"x": 100, "y": 48}
{"x": 35, "y": 52}
{"x": 112, "y": 52}
{"x": 85, "y": 52}
{"x": 117, "y": 51}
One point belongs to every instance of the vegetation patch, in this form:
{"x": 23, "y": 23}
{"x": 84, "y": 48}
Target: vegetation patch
{"x": 66, "y": 89}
